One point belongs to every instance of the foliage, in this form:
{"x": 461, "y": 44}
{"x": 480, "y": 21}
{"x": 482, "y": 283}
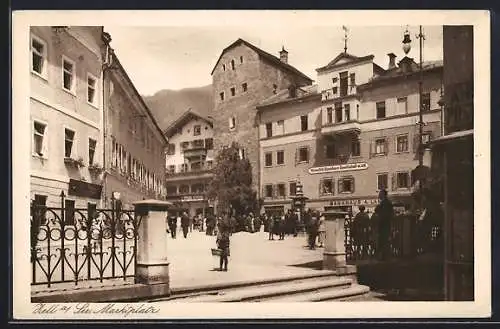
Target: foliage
{"x": 231, "y": 184}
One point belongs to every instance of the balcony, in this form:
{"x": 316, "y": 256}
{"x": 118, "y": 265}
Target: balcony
{"x": 343, "y": 127}
{"x": 189, "y": 170}
{"x": 195, "y": 152}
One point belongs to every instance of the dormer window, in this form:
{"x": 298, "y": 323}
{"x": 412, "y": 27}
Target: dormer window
{"x": 292, "y": 91}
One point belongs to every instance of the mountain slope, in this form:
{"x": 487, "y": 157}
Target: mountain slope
{"x": 166, "y": 105}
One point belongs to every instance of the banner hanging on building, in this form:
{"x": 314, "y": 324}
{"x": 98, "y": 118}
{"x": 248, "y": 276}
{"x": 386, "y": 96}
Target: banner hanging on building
{"x": 337, "y": 168}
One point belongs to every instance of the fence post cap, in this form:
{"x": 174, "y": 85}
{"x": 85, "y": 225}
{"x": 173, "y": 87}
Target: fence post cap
{"x": 335, "y": 214}
{"x": 152, "y": 204}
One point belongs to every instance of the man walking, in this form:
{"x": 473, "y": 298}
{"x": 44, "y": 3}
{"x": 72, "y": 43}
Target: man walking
{"x": 385, "y": 213}
{"x": 185, "y": 222}
{"x": 313, "y": 230}
{"x": 271, "y": 227}
{"x": 172, "y": 224}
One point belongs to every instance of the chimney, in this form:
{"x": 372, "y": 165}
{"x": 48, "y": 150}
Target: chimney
{"x": 392, "y": 61}
{"x": 284, "y": 55}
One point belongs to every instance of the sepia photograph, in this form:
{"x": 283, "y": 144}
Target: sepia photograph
{"x": 267, "y": 157}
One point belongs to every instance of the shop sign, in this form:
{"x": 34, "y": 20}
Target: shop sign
{"x": 354, "y": 202}
{"x": 193, "y": 198}
{"x": 84, "y": 189}
{"x": 337, "y": 168}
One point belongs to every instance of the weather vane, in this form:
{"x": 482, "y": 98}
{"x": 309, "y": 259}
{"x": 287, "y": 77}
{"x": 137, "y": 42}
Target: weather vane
{"x": 345, "y": 37}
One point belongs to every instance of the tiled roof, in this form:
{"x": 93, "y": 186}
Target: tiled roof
{"x": 271, "y": 58}
{"x": 183, "y": 119}
{"x": 283, "y": 95}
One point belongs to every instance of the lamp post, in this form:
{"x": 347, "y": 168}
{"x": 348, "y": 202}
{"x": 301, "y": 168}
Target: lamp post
{"x": 406, "y": 49}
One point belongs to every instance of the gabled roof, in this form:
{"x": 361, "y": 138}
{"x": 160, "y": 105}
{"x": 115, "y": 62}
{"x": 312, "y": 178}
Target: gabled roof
{"x": 183, "y": 119}
{"x": 271, "y": 58}
{"x": 351, "y": 59}
{"x": 283, "y": 96}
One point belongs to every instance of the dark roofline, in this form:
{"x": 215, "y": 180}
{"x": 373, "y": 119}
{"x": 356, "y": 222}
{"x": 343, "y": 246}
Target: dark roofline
{"x": 353, "y": 61}
{"x": 308, "y": 97}
{"x": 273, "y": 59}
{"x": 390, "y": 79}
{"x": 170, "y": 129}
{"x": 141, "y": 100}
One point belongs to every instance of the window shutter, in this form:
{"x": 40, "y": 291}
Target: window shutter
{"x": 320, "y": 187}
{"x": 372, "y": 148}
{"x": 308, "y": 154}
{"x": 275, "y": 191}
{"x": 386, "y": 147}
{"x": 296, "y": 156}
{"x": 409, "y": 179}
{"x": 339, "y": 190}
{"x": 415, "y": 142}
{"x": 264, "y": 191}
{"x": 393, "y": 181}
{"x": 45, "y": 143}
{"x": 352, "y": 184}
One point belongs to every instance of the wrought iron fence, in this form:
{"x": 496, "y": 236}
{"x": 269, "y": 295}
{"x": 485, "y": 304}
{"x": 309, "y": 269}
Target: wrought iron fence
{"x": 408, "y": 237}
{"x": 75, "y": 245}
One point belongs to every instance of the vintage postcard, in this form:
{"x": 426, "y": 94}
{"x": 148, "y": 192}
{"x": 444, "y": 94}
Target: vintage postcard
{"x": 268, "y": 164}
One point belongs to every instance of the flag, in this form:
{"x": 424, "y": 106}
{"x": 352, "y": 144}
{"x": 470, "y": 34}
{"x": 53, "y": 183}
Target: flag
{"x": 344, "y": 28}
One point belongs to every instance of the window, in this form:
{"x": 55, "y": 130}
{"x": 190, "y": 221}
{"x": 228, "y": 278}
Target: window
{"x": 223, "y": 67}
{"x": 40, "y": 141}
{"x": 209, "y": 143}
{"x": 268, "y": 191}
{"x": 329, "y": 115}
{"x": 326, "y": 187}
{"x": 280, "y": 157}
{"x": 198, "y": 188}
{"x": 241, "y": 59}
{"x": 196, "y": 166}
{"x": 171, "y": 169}
{"x": 355, "y": 148}
{"x": 244, "y": 87}
{"x": 380, "y": 146}
{"x": 426, "y": 101}
{"x": 402, "y": 105}
{"x": 69, "y": 212}
{"x": 303, "y": 123}
{"x": 347, "y": 112}
{"x": 171, "y": 149}
{"x": 352, "y": 78}
{"x": 346, "y": 185}
{"x": 330, "y": 151}
{"x": 91, "y": 210}
{"x": 91, "y": 89}
{"x": 198, "y": 143}
{"x": 293, "y": 188}
{"x": 69, "y": 138}
{"x": 402, "y": 143}
{"x": 68, "y": 75}
{"x": 303, "y": 154}
{"x": 426, "y": 138}
{"x": 275, "y": 88}
{"x": 343, "y": 83}
{"x": 335, "y": 90}
{"x": 269, "y": 129}
{"x": 268, "y": 159}
{"x": 281, "y": 190}
{"x": 221, "y": 96}
{"x": 338, "y": 112}
{"x": 38, "y": 56}
{"x": 402, "y": 180}
{"x": 233, "y": 91}
{"x": 232, "y": 64}
{"x": 92, "y": 147}
{"x": 232, "y": 123}
{"x": 382, "y": 181}
{"x": 241, "y": 153}
{"x": 210, "y": 163}
{"x": 184, "y": 145}
{"x": 171, "y": 190}
{"x": 184, "y": 189}
{"x": 380, "y": 110}
{"x": 197, "y": 130}
{"x": 39, "y": 211}
{"x": 281, "y": 127}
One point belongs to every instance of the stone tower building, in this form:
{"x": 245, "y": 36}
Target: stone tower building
{"x": 243, "y": 76}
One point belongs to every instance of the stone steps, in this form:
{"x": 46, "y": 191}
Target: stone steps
{"x": 305, "y": 289}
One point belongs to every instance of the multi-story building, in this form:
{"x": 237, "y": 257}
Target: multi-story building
{"x": 243, "y": 76}
{"x": 134, "y": 158}
{"x": 66, "y": 116}
{"x": 351, "y": 135}
{"x": 189, "y": 162}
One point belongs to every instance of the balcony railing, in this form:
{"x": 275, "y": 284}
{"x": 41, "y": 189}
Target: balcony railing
{"x": 348, "y": 126}
{"x": 190, "y": 169}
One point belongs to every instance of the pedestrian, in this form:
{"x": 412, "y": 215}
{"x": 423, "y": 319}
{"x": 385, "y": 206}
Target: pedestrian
{"x": 223, "y": 242}
{"x": 282, "y": 227}
{"x": 271, "y": 227}
{"x": 385, "y": 213}
{"x": 172, "y": 223}
{"x": 313, "y": 230}
{"x": 321, "y": 231}
{"x": 185, "y": 223}
{"x": 361, "y": 231}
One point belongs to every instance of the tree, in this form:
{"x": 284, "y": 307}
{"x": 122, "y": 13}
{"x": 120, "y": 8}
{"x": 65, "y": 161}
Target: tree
{"x": 231, "y": 184}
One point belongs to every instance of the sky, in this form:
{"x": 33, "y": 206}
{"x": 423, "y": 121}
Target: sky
{"x": 175, "y": 57}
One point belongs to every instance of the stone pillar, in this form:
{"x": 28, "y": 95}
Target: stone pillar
{"x": 334, "y": 255}
{"x": 152, "y": 261}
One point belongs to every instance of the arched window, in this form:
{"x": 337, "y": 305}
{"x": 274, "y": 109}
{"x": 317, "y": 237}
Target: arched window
{"x": 232, "y": 64}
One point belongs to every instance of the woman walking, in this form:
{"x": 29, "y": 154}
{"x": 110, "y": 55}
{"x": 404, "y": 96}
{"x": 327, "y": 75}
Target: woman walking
{"x": 321, "y": 231}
